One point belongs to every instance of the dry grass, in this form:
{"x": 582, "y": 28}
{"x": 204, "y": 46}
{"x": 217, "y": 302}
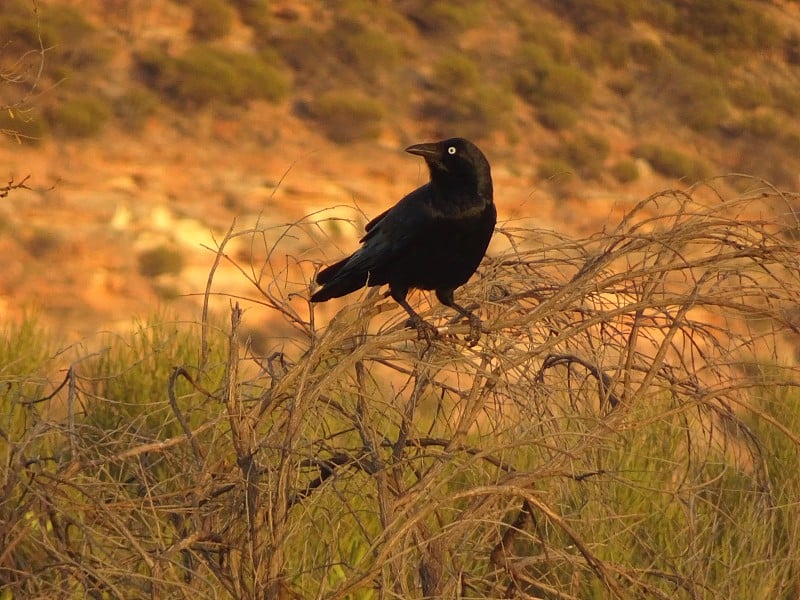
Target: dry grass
{"x": 628, "y": 427}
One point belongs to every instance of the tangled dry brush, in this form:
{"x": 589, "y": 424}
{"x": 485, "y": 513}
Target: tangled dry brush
{"x": 626, "y": 428}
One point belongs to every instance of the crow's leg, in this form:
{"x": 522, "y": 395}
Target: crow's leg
{"x": 424, "y": 330}
{"x": 446, "y": 298}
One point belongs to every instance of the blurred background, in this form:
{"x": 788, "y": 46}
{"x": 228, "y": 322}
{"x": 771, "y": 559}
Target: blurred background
{"x": 148, "y": 126}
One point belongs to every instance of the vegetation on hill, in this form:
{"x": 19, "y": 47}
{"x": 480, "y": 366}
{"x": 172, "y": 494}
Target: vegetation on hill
{"x": 712, "y": 82}
{"x": 628, "y": 427}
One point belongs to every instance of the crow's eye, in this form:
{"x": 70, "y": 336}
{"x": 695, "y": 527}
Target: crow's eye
{"x": 451, "y": 150}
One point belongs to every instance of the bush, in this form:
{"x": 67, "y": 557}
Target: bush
{"x": 648, "y": 53}
{"x": 460, "y": 100}
{"x": 443, "y": 17}
{"x": 748, "y": 95}
{"x": 672, "y": 163}
{"x": 362, "y": 49}
{"x": 211, "y": 19}
{"x": 554, "y": 169}
{"x": 545, "y": 83}
{"x": 587, "y": 153}
{"x": 204, "y": 74}
{"x": 79, "y": 116}
{"x": 161, "y": 260}
{"x": 762, "y": 125}
{"x": 347, "y": 116}
{"x": 645, "y": 411}
{"x": 787, "y": 98}
{"x": 255, "y": 13}
{"x": 25, "y": 127}
{"x": 134, "y": 107}
{"x": 42, "y": 243}
{"x": 625, "y": 171}
{"x": 557, "y": 116}
{"x": 727, "y": 26}
{"x": 454, "y": 72}
{"x": 699, "y": 99}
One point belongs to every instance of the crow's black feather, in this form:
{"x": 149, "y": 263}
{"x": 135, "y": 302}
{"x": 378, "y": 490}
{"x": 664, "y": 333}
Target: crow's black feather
{"x": 433, "y": 239}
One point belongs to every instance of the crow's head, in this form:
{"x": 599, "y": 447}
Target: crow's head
{"x": 457, "y": 164}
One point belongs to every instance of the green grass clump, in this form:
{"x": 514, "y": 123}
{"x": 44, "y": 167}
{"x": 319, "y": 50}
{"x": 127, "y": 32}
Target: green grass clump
{"x": 444, "y": 17}
{"x": 541, "y": 80}
{"x": 348, "y": 116}
{"x": 728, "y": 26}
{"x": 597, "y": 456}
{"x": 672, "y": 163}
{"x": 698, "y": 99}
{"x": 161, "y": 260}
{"x": 460, "y": 100}
{"x": 211, "y": 19}
{"x": 586, "y": 153}
{"x": 26, "y": 127}
{"x": 255, "y": 13}
{"x": 749, "y": 95}
{"x": 625, "y": 171}
{"x": 204, "y": 75}
{"x": 135, "y": 106}
{"x": 79, "y": 116}
{"x": 765, "y": 125}
{"x": 557, "y": 116}
{"x": 554, "y": 169}
{"x": 364, "y": 50}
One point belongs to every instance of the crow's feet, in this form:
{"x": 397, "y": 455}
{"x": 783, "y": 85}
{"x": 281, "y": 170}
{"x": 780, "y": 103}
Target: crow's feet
{"x": 475, "y": 328}
{"x": 425, "y": 331}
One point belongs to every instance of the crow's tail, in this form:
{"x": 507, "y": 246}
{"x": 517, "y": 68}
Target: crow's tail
{"x": 328, "y": 273}
{"x": 335, "y": 285}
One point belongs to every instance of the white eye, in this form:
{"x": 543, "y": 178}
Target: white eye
{"x": 451, "y": 150}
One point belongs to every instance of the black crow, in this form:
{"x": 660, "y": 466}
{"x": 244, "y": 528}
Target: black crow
{"x": 433, "y": 239}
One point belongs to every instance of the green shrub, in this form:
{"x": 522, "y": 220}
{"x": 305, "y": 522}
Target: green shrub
{"x": 260, "y": 78}
{"x": 728, "y": 26}
{"x": 554, "y": 169}
{"x": 25, "y": 127}
{"x": 540, "y": 81}
{"x": 78, "y": 116}
{"x": 699, "y": 99}
{"x": 161, "y": 260}
{"x": 648, "y": 53}
{"x": 134, "y": 107}
{"x": 443, "y": 17}
{"x": 588, "y": 16}
{"x": 607, "y": 46}
{"x": 587, "y": 153}
{"x": 625, "y": 171}
{"x": 791, "y": 49}
{"x": 545, "y": 37}
{"x": 622, "y": 85}
{"x": 362, "y": 49}
{"x": 460, "y": 100}
{"x": 762, "y": 124}
{"x": 557, "y": 116}
{"x": 211, "y": 19}
{"x": 787, "y": 98}
{"x": 748, "y": 95}
{"x": 672, "y": 163}
{"x": 567, "y": 84}
{"x": 204, "y": 74}
{"x": 43, "y": 242}
{"x": 347, "y": 116}
{"x": 455, "y": 71}
{"x": 255, "y": 13}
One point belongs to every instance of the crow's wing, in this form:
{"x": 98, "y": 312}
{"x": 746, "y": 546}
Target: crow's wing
{"x": 392, "y": 232}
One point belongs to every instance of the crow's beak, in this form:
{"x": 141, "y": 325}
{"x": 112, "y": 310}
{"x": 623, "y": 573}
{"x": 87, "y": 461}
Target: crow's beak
{"x": 427, "y": 151}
